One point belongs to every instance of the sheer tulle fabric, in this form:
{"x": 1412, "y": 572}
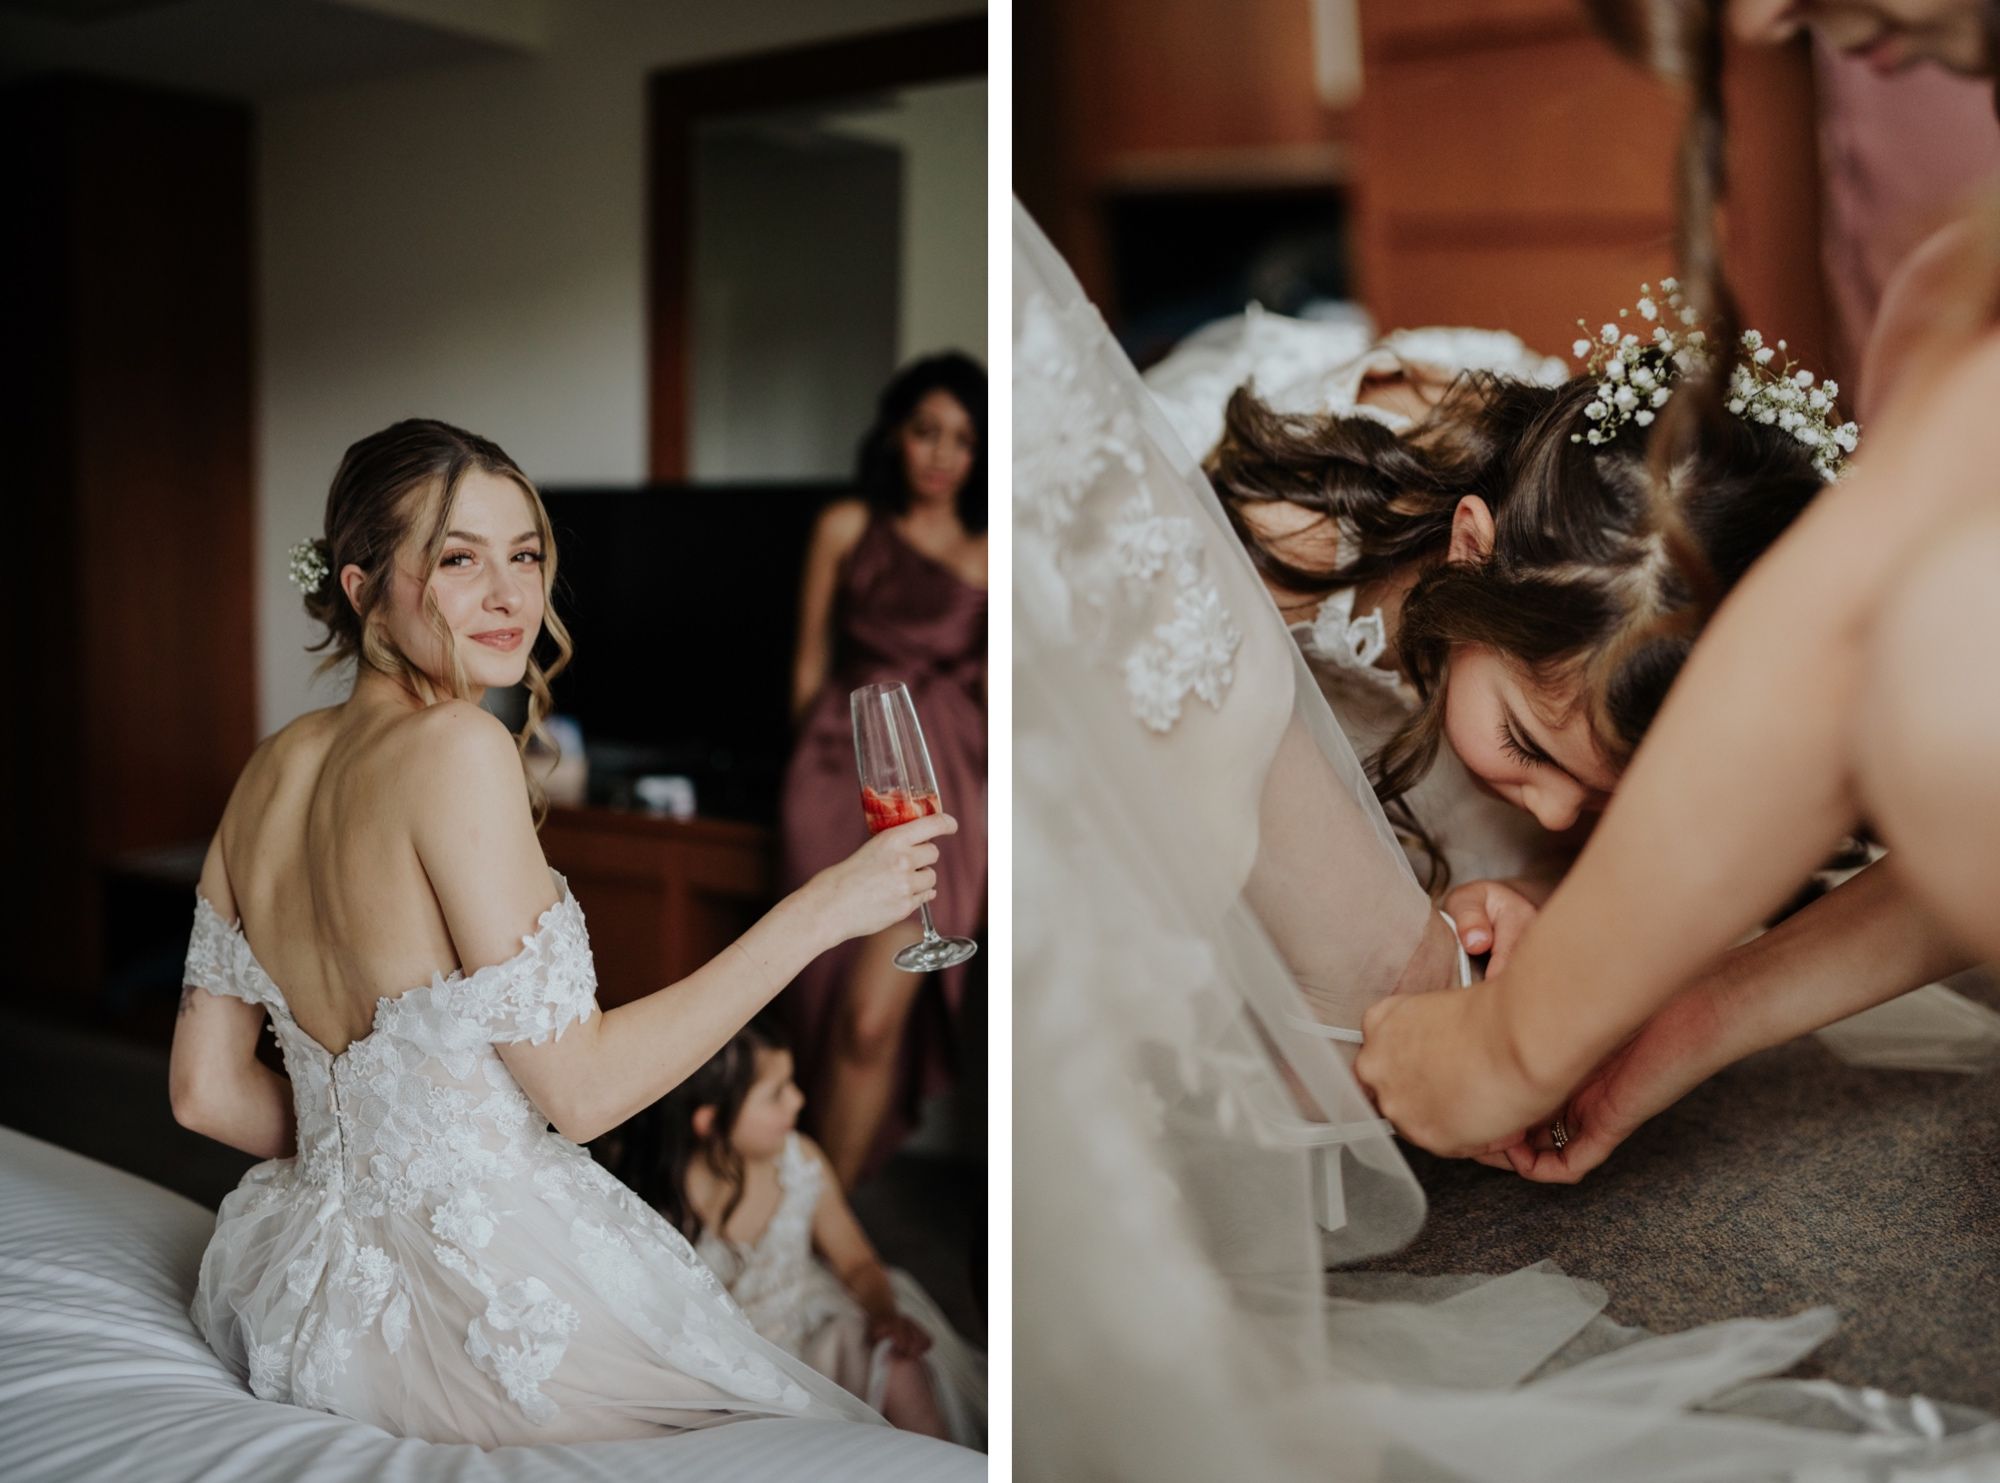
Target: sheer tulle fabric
{"x": 1203, "y": 885}
{"x": 438, "y": 1261}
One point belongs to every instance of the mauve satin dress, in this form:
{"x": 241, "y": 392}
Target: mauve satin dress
{"x": 897, "y": 615}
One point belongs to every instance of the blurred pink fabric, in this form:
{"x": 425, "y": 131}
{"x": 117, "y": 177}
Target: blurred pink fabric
{"x": 1898, "y": 155}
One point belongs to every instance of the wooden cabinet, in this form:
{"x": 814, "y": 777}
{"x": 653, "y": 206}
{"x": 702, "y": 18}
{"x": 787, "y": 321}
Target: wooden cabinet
{"x": 1154, "y": 97}
{"x": 661, "y": 897}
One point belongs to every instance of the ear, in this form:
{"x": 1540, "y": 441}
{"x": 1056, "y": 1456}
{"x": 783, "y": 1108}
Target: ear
{"x": 1471, "y": 532}
{"x": 703, "y": 1121}
{"x": 351, "y": 578}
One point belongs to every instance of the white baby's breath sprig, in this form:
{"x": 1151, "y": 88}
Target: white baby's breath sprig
{"x": 307, "y": 567}
{"x": 1635, "y": 379}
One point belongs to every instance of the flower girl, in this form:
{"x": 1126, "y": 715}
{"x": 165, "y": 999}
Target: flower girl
{"x": 721, "y": 1157}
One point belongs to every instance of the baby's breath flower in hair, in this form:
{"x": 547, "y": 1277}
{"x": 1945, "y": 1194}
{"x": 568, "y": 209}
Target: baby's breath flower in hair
{"x": 1635, "y": 379}
{"x": 307, "y": 565}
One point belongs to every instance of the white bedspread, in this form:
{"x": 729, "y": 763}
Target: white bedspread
{"x": 102, "y": 1376}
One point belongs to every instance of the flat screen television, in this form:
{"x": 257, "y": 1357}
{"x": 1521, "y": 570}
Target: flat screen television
{"x": 682, "y": 601}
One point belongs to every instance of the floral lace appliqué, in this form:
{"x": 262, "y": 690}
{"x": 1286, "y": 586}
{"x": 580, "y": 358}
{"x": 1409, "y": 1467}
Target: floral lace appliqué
{"x": 1336, "y": 637}
{"x": 1189, "y": 654}
{"x": 1089, "y": 533}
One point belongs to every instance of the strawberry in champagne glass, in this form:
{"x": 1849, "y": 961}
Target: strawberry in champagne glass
{"x": 898, "y": 787}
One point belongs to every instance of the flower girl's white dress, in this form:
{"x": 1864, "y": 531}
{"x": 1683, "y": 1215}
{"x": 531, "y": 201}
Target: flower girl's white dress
{"x": 436, "y": 1260}
{"x": 799, "y": 1305}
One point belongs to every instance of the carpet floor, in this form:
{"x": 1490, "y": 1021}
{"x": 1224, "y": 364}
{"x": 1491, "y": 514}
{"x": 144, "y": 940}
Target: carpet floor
{"x": 1790, "y": 1180}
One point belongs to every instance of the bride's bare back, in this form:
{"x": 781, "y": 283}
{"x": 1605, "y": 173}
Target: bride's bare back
{"x": 320, "y": 847}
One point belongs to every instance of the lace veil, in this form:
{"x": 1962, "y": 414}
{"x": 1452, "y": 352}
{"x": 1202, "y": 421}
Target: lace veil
{"x": 1207, "y": 897}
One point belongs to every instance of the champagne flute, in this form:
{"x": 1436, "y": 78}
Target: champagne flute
{"x": 898, "y": 787}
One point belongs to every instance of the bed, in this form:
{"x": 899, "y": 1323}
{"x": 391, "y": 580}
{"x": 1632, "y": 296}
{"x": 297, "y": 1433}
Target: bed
{"x": 102, "y": 1375}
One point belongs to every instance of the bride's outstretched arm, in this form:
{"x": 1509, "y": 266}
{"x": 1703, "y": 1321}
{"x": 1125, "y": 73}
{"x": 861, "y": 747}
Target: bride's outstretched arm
{"x": 476, "y": 839}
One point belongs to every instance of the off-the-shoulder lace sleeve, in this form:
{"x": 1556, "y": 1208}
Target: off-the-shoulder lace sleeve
{"x": 542, "y": 990}
{"x": 213, "y": 960}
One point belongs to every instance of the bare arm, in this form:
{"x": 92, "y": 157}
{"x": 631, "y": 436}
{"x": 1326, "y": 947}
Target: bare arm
{"x": 838, "y": 1237}
{"x": 477, "y": 842}
{"x": 1858, "y": 946}
{"x": 215, "y": 1082}
{"x": 834, "y": 535}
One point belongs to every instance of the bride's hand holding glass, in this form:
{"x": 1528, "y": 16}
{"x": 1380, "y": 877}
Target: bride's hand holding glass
{"x": 897, "y": 785}
{"x": 884, "y": 881}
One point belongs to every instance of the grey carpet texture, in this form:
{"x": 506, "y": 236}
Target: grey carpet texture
{"x": 1790, "y": 1180}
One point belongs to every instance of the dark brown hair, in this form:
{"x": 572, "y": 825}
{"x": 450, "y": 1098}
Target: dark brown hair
{"x": 376, "y": 502}
{"x": 879, "y": 473}
{"x": 660, "y": 1144}
{"x": 1582, "y": 588}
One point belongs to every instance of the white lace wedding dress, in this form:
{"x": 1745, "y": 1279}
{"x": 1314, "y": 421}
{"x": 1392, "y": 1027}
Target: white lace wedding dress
{"x": 436, "y": 1260}
{"x": 798, "y": 1304}
{"x": 1206, "y": 898}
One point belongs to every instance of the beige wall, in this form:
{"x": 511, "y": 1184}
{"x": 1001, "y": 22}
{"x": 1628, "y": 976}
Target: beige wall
{"x": 942, "y": 130}
{"x": 468, "y": 244}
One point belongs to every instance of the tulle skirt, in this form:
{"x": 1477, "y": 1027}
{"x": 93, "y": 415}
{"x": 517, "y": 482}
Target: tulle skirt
{"x": 551, "y": 1308}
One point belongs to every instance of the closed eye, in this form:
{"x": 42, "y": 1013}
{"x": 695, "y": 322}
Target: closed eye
{"x": 1513, "y": 746}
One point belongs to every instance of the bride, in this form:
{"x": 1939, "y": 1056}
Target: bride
{"x": 420, "y": 1250}
{"x": 1208, "y": 897}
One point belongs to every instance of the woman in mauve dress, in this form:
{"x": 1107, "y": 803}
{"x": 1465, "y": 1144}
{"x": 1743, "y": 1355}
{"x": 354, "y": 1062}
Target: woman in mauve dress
{"x": 894, "y": 589}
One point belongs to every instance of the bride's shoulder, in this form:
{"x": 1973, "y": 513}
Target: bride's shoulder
{"x": 452, "y": 738}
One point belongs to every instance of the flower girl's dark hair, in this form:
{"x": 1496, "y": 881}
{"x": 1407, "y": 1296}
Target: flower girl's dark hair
{"x": 661, "y": 1144}
{"x": 1593, "y": 583}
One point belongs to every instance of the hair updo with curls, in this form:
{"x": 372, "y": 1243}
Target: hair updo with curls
{"x": 1595, "y": 583}
{"x": 382, "y": 496}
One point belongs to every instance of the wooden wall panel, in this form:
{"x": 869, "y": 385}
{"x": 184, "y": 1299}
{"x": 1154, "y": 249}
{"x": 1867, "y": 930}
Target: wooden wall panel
{"x": 1514, "y": 173}
{"x": 1537, "y": 287}
{"x": 1188, "y": 74}
{"x": 1529, "y": 129}
{"x": 1152, "y": 94}
{"x": 128, "y": 412}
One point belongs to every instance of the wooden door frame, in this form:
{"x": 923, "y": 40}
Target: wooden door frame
{"x": 678, "y": 100}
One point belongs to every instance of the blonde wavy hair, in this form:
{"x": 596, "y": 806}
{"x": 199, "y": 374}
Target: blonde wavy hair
{"x": 376, "y": 501}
